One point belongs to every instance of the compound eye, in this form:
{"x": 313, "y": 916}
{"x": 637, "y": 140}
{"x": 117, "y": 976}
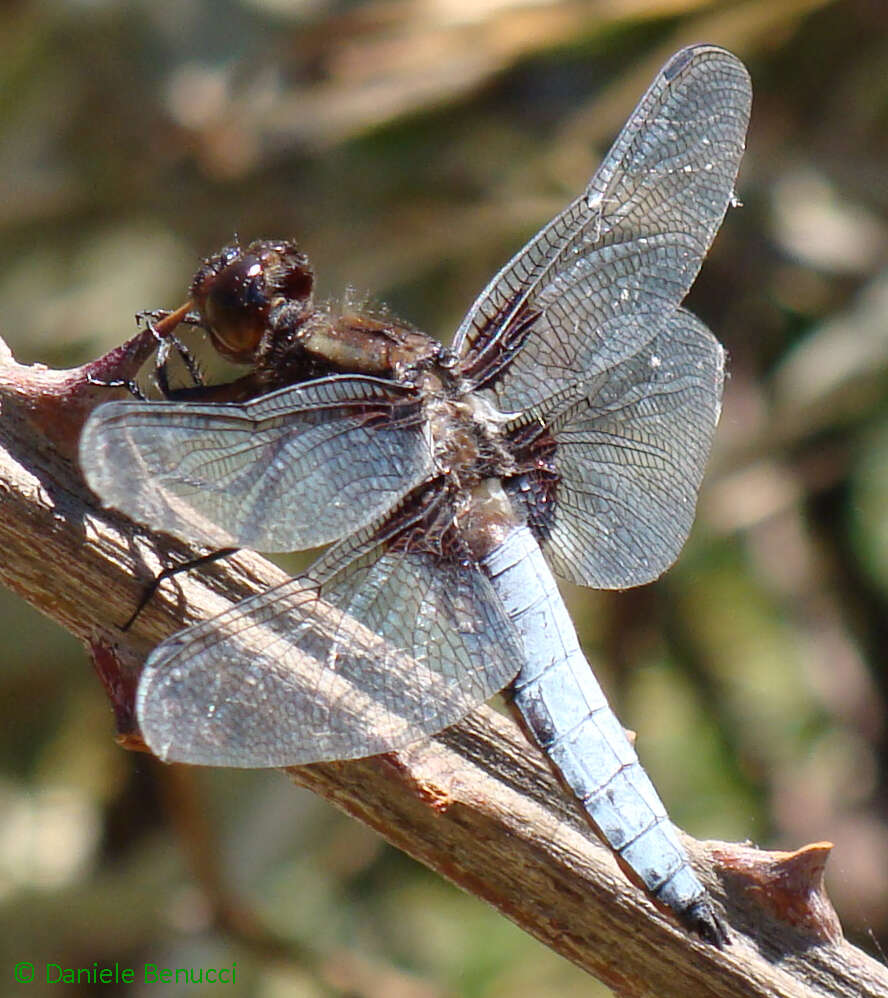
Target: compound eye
{"x": 235, "y": 308}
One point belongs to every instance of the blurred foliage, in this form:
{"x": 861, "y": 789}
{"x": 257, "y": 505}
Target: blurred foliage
{"x": 411, "y": 148}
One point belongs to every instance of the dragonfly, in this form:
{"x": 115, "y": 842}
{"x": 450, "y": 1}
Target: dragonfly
{"x": 564, "y": 433}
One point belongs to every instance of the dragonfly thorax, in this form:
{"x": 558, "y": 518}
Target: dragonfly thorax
{"x": 465, "y": 431}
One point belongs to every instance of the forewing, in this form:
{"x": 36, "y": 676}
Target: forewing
{"x": 294, "y": 469}
{"x": 408, "y": 646}
{"x": 629, "y": 461}
{"x": 597, "y": 282}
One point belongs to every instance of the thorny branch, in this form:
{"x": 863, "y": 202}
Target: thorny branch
{"x": 475, "y": 803}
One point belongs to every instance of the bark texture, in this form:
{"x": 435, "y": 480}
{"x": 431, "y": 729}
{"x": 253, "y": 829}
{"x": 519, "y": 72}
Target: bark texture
{"x": 476, "y": 803}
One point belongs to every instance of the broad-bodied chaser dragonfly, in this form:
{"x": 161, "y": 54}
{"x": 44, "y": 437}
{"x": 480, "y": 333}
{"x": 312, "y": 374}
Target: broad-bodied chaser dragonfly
{"x": 566, "y": 430}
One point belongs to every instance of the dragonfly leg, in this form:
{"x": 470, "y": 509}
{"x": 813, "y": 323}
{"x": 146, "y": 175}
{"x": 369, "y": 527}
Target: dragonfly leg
{"x": 169, "y": 573}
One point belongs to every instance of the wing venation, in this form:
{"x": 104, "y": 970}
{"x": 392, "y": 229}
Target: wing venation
{"x": 629, "y": 459}
{"x": 294, "y": 469}
{"x": 395, "y": 647}
{"x": 600, "y": 280}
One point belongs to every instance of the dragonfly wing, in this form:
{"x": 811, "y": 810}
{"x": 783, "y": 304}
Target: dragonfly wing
{"x": 396, "y": 646}
{"x": 598, "y": 282}
{"x": 294, "y": 469}
{"x": 629, "y": 460}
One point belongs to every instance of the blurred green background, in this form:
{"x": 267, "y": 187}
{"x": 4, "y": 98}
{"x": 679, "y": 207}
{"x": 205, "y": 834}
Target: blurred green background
{"x": 411, "y": 148}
